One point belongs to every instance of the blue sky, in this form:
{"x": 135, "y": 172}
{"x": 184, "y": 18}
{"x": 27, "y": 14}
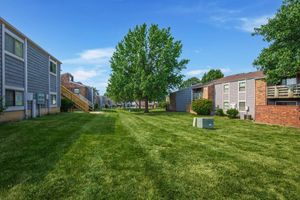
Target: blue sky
{"x": 83, "y": 34}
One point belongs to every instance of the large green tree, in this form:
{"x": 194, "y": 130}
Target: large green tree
{"x": 211, "y": 75}
{"x": 146, "y": 65}
{"x": 189, "y": 82}
{"x": 282, "y": 58}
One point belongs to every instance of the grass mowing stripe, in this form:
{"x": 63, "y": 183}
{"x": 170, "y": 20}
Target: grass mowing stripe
{"x": 121, "y": 155}
{"x": 249, "y": 158}
{"x": 241, "y": 142}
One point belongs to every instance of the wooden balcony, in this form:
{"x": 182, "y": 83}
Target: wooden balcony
{"x": 283, "y": 91}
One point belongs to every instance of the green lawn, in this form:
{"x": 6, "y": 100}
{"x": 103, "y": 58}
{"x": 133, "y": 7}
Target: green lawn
{"x": 122, "y": 155}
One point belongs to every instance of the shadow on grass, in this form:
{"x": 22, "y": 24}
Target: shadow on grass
{"x": 108, "y": 110}
{"x": 160, "y": 113}
{"x": 30, "y": 149}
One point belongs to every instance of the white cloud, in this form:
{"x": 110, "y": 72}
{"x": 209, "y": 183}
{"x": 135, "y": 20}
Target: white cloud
{"x": 101, "y": 85}
{"x": 98, "y": 56}
{"x": 97, "y": 53}
{"x": 91, "y": 76}
{"x": 248, "y": 24}
{"x": 225, "y": 70}
{"x": 204, "y": 8}
{"x": 198, "y": 72}
{"x": 91, "y": 67}
{"x": 82, "y": 75}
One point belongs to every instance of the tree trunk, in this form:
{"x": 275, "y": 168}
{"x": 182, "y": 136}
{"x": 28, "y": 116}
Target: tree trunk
{"x": 146, "y": 105}
{"x": 140, "y": 106}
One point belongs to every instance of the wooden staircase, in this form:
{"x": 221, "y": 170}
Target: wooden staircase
{"x": 78, "y": 102}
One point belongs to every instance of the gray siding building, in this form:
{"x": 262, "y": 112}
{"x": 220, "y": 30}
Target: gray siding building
{"x": 235, "y": 91}
{"x": 180, "y": 100}
{"x": 184, "y": 98}
{"x": 30, "y": 76}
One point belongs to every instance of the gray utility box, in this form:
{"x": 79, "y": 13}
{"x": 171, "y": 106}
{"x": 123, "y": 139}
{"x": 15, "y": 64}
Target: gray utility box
{"x": 203, "y": 122}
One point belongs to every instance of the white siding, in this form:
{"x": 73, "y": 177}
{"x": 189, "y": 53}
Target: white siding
{"x": 1, "y": 60}
{"x": 234, "y": 96}
{"x": 250, "y": 97}
{"x": 242, "y": 96}
{"x": 219, "y": 96}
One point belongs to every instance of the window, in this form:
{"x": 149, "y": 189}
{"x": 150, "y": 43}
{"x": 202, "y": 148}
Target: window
{"x": 286, "y": 103}
{"x": 76, "y": 91}
{"x": 197, "y": 95}
{"x": 242, "y": 86}
{"x": 14, "y": 46}
{"x": 242, "y": 106}
{"x": 9, "y": 98}
{"x": 18, "y": 98}
{"x": 52, "y": 67}
{"x": 226, "y": 88}
{"x": 53, "y": 99}
{"x": 289, "y": 81}
{"x": 71, "y": 79}
{"x": 226, "y": 105}
{"x": 14, "y": 98}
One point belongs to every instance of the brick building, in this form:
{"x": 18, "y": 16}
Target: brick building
{"x": 234, "y": 91}
{"x": 86, "y": 93}
{"x": 250, "y": 95}
{"x": 278, "y": 104}
{"x": 67, "y": 80}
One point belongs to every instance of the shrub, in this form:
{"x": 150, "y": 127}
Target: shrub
{"x": 163, "y": 104}
{"x": 2, "y": 108}
{"x": 232, "y": 113}
{"x": 202, "y": 106}
{"x": 219, "y": 112}
{"x": 96, "y": 106}
{"x": 66, "y": 105}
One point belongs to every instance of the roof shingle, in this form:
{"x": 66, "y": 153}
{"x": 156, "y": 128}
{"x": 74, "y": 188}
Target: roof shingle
{"x": 233, "y": 78}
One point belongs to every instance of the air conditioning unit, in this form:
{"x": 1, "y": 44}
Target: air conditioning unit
{"x": 247, "y": 108}
{"x": 207, "y": 123}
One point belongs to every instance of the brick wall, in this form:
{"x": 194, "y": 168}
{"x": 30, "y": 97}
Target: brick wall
{"x": 260, "y": 92}
{"x": 65, "y": 81}
{"x": 272, "y": 114}
{"x": 208, "y": 92}
{"x": 281, "y": 115}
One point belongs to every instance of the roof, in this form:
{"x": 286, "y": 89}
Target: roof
{"x": 181, "y": 89}
{"x": 24, "y": 36}
{"x": 239, "y": 77}
{"x": 233, "y": 78}
{"x": 67, "y": 73}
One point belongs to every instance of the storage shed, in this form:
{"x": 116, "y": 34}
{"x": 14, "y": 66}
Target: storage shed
{"x": 180, "y": 100}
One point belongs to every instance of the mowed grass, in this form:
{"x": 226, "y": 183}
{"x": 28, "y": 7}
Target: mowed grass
{"x": 122, "y": 155}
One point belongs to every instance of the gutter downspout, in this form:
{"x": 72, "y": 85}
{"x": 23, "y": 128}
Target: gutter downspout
{"x": 49, "y": 89}
{"x": 93, "y": 97}
{"x": 3, "y": 64}
{"x": 26, "y": 81}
